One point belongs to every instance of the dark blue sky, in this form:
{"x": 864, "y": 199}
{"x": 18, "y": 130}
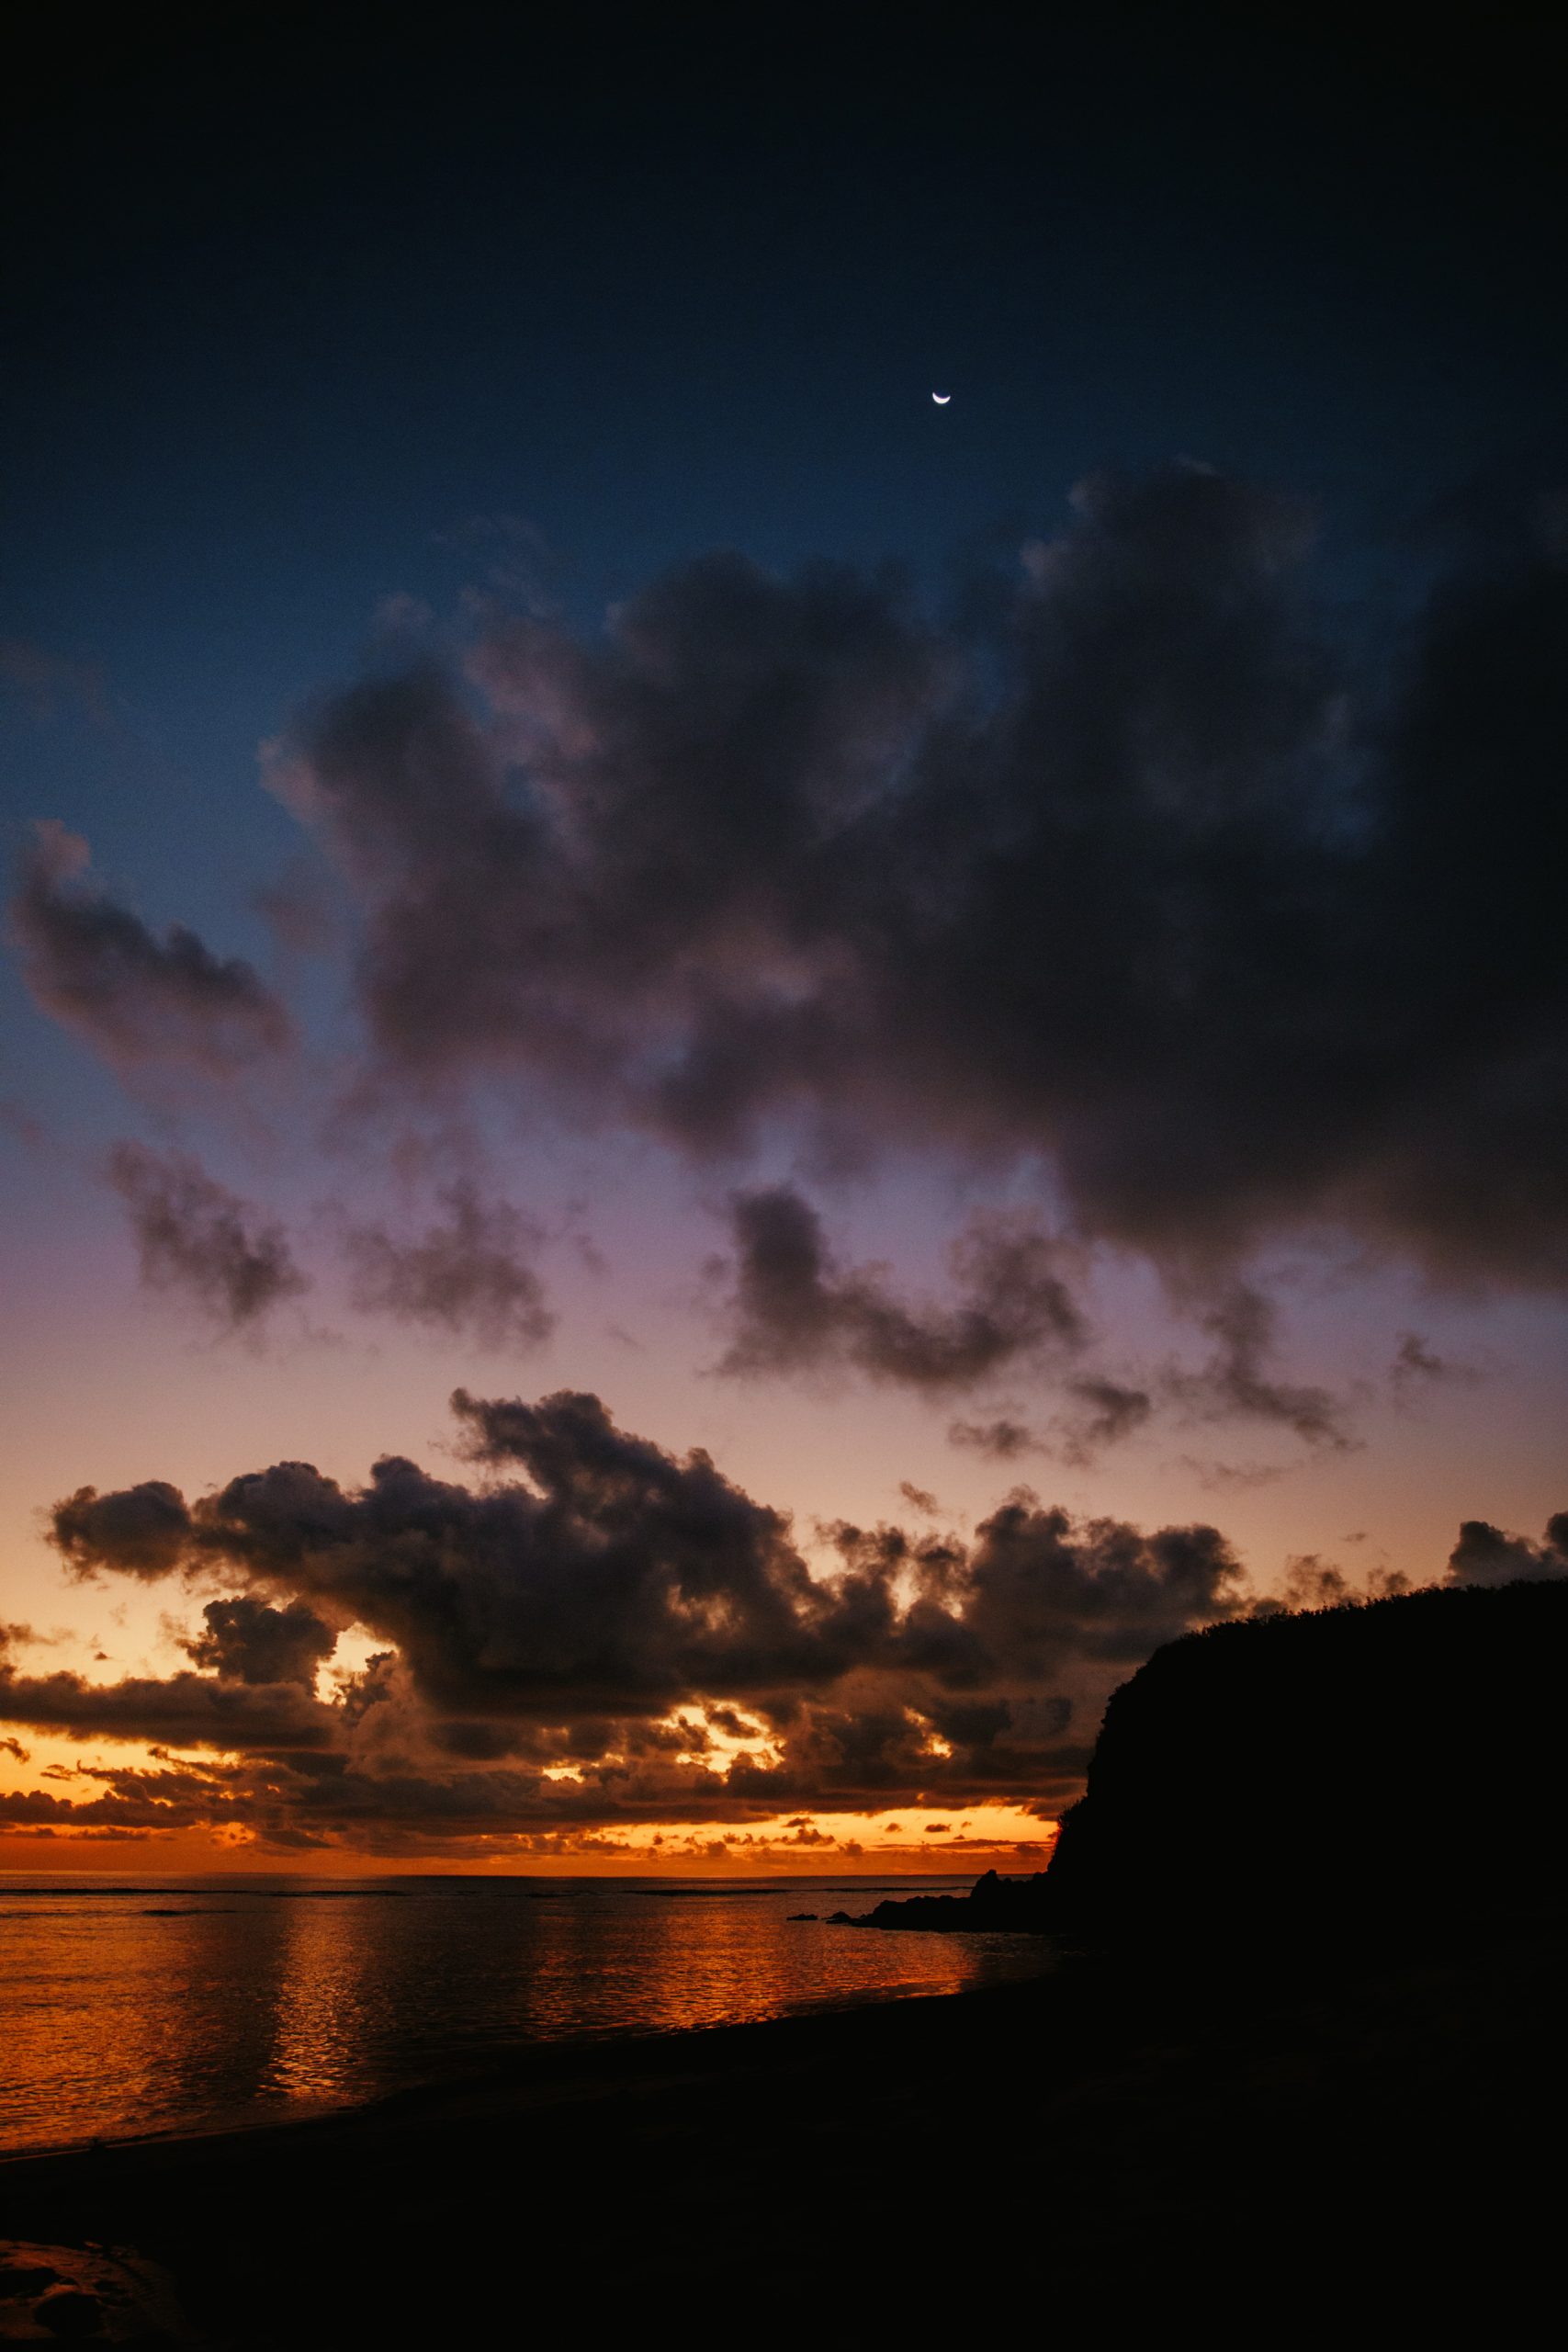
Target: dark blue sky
{"x": 308, "y": 312}
{"x": 294, "y": 302}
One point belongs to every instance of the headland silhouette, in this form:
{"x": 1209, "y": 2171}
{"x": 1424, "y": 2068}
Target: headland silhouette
{"x": 1392, "y": 1768}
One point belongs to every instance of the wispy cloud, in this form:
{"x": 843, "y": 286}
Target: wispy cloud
{"x": 195, "y": 1236}
{"x": 137, "y": 998}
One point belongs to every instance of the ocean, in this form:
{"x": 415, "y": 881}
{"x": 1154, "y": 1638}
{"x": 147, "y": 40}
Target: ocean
{"x": 175, "y": 2003}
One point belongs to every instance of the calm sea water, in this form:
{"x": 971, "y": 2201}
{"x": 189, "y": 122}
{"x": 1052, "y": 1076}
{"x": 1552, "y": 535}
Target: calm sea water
{"x": 181, "y": 2002}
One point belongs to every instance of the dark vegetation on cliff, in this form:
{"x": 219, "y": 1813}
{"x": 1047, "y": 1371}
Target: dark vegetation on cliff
{"x": 1388, "y": 1767}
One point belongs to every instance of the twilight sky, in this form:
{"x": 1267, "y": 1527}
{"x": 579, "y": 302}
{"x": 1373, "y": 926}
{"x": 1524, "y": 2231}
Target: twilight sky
{"x": 717, "y": 1083}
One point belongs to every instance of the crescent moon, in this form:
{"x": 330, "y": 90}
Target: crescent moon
{"x": 941, "y": 398}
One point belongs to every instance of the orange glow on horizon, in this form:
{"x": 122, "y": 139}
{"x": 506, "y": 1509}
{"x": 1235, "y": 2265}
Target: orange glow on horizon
{"x": 991, "y": 1837}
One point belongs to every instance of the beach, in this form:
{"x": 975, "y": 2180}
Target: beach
{"x": 1106, "y": 2135}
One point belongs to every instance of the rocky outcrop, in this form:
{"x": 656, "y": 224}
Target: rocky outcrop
{"x": 1382, "y": 1768}
{"x": 1014, "y": 1906}
{"x": 88, "y": 2294}
{"x": 1389, "y": 1765}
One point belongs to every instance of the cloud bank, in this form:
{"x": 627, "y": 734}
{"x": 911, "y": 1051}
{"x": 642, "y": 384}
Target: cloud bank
{"x": 601, "y": 1632}
{"x": 1147, "y": 882}
{"x": 1149, "y": 875}
{"x": 1485, "y": 1554}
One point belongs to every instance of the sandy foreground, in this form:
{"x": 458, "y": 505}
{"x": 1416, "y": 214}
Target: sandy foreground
{"x": 1234, "y": 2140}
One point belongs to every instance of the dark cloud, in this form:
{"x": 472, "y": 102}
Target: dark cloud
{"x": 1312, "y": 1582}
{"x": 40, "y": 1812}
{"x": 135, "y": 998}
{"x": 603, "y": 1607}
{"x": 140, "y": 1531}
{"x": 470, "y": 1275}
{"x": 14, "y": 1747}
{"x": 1483, "y": 1554}
{"x": 1165, "y": 881}
{"x": 1002, "y": 1439}
{"x": 795, "y": 1309}
{"x": 192, "y": 1234}
{"x": 1417, "y": 1364}
{"x": 618, "y": 1579}
{"x": 737, "y": 1727}
{"x": 1236, "y": 1383}
{"x": 187, "y": 1710}
{"x": 176, "y": 1792}
{"x": 246, "y": 1641}
{"x": 1039, "y": 1583}
{"x": 1106, "y": 1413}
{"x": 1100, "y": 1413}
{"x": 627, "y": 922}
{"x": 604, "y": 1632}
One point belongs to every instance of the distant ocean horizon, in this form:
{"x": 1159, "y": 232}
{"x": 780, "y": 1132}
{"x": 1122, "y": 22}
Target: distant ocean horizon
{"x": 164, "y": 2003}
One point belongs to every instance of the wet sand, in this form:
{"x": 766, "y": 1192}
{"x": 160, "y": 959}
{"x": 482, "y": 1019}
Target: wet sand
{"x": 1373, "y": 2138}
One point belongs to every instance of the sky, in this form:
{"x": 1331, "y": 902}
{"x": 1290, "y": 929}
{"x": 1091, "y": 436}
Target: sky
{"x": 717, "y": 1082}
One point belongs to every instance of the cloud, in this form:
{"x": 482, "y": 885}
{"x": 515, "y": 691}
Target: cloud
{"x": 1039, "y": 1584}
{"x": 1312, "y": 1582}
{"x": 603, "y": 1633}
{"x": 1108, "y": 1412}
{"x": 187, "y": 1710}
{"x": 1002, "y": 1439}
{"x": 1160, "y": 883}
{"x": 795, "y": 1309}
{"x": 1218, "y": 1477}
{"x": 1483, "y": 1554}
{"x": 140, "y": 1531}
{"x": 14, "y": 1747}
{"x": 1417, "y": 1365}
{"x": 618, "y": 1578}
{"x": 192, "y": 1234}
{"x": 469, "y": 1276}
{"x": 628, "y": 900}
{"x": 1235, "y": 1385}
{"x": 1102, "y": 1413}
{"x": 246, "y": 1641}
{"x": 134, "y": 998}
{"x": 571, "y": 1641}
{"x": 296, "y": 906}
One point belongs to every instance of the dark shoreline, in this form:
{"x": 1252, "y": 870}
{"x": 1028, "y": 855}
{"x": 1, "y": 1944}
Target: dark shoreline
{"x": 585, "y": 2065}
{"x": 557, "y": 2067}
{"x": 1187, "y": 2120}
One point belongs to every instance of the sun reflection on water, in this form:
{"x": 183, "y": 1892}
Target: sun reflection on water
{"x": 134, "y": 2010}
{"x": 319, "y": 2019}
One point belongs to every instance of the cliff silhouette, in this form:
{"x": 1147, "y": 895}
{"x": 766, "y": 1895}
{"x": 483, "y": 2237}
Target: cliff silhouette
{"x": 1386, "y": 1767}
